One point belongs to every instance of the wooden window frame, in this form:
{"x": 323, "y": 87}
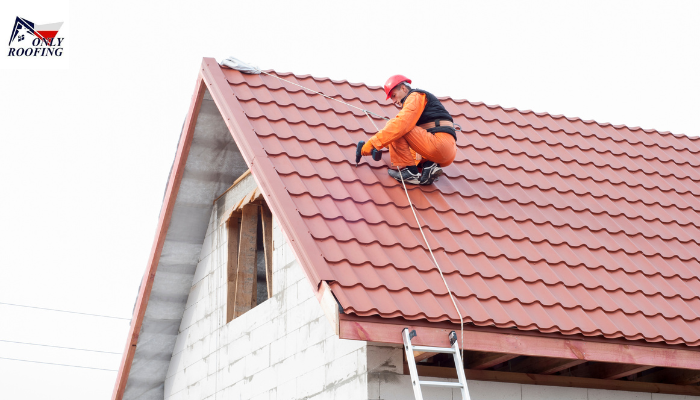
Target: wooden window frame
{"x": 241, "y": 268}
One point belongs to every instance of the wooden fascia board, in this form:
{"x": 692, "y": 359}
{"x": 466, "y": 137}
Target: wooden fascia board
{"x": 176, "y": 174}
{"x": 557, "y": 380}
{"x": 329, "y": 305}
{"x": 528, "y": 345}
{"x": 275, "y": 193}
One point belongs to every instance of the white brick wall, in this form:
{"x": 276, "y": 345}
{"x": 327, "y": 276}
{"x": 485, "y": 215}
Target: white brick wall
{"x": 282, "y": 349}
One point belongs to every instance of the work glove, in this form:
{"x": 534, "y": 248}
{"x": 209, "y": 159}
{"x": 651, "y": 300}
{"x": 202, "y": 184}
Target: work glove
{"x": 367, "y": 148}
{"x": 376, "y": 154}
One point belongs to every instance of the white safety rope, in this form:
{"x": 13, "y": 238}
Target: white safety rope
{"x": 367, "y": 113}
{"x": 454, "y": 302}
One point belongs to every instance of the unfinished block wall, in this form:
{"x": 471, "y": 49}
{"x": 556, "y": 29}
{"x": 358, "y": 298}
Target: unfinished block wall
{"x": 284, "y": 348}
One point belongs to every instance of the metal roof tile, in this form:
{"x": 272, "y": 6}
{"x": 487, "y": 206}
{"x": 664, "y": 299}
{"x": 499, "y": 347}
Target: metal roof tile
{"x": 542, "y": 222}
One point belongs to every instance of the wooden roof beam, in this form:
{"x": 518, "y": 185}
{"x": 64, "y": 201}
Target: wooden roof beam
{"x": 544, "y": 365}
{"x": 673, "y": 376}
{"x": 482, "y": 360}
{"x": 599, "y": 370}
{"x": 422, "y": 355}
{"x": 558, "y": 380}
{"x": 618, "y": 371}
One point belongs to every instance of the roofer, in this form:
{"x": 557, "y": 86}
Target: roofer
{"x": 423, "y": 126}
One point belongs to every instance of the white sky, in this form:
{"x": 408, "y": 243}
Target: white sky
{"x": 86, "y": 150}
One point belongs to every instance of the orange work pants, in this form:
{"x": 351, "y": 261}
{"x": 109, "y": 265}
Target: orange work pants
{"x": 440, "y": 148}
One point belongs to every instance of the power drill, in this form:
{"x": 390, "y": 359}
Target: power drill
{"x": 376, "y": 154}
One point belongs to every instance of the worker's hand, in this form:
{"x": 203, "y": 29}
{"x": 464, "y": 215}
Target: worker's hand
{"x": 367, "y": 148}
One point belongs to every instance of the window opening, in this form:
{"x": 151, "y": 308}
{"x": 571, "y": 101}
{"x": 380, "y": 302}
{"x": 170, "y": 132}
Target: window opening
{"x": 249, "y": 264}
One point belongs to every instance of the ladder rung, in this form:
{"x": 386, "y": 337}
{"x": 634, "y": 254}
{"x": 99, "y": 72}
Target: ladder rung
{"x": 416, "y": 381}
{"x": 441, "y": 384}
{"x": 429, "y": 349}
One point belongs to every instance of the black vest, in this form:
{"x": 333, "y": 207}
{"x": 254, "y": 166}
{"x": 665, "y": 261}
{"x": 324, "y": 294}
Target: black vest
{"x": 434, "y": 111}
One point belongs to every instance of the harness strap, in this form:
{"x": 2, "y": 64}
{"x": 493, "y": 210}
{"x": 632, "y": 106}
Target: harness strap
{"x": 438, "y": 122}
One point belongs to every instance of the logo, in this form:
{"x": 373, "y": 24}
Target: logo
{"x": 30, "y": 40}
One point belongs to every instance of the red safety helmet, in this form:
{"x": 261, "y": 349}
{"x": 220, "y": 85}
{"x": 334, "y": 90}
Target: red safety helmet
{"x": 392, "y": 82}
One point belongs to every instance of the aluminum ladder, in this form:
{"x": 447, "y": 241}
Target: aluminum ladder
{"x": 415, "y": 379}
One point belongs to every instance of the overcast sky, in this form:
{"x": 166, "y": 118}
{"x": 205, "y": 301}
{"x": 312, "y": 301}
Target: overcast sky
{"x": 86, "y": 149}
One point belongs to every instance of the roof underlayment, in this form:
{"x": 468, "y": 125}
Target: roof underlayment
{"x": 213, "y": 163}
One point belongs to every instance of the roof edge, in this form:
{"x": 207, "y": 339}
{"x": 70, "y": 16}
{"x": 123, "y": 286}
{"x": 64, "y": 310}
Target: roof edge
{"x": 176, "y": 173}
{"x": 504, "y": 108}
{"x": 210, "y": 77}
{"x": 365, "y": 329}
{"x": 271, "y": 185}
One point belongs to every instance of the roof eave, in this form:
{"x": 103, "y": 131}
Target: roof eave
{"x": 382, "y": 330}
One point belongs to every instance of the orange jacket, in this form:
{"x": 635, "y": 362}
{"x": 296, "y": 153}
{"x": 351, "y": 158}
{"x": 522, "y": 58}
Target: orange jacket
{"x": 404, "y": 121}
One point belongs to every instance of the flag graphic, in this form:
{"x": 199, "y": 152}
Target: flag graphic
{"x": 23, "y": 28}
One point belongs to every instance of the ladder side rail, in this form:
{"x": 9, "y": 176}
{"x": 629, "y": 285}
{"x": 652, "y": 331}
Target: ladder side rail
{"x": 460, "y": 368}
{"x": 415, "y": 380}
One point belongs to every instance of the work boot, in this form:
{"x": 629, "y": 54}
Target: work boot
{"x": 410, "y": 175}
{"x": 431, "y": 173}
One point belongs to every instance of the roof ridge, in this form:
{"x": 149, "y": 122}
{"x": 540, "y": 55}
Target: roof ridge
{"x": 505, "y": 109}
{"x": 321, "y": 79}
{"x": 574, "y": 119}
{"x": 581, "y": 134}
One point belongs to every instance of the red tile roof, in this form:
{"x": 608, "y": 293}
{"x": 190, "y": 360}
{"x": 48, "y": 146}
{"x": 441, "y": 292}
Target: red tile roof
{"x": 542, "y": 222}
